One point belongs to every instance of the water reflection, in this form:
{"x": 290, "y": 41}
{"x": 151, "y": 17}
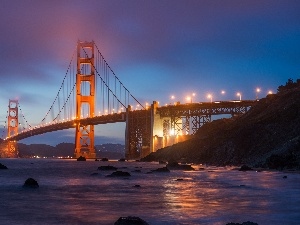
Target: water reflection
{"x": 68, "y": 194}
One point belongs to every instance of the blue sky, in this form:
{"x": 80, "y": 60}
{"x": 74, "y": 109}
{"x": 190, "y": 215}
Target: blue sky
{"x": 157, "y": 49}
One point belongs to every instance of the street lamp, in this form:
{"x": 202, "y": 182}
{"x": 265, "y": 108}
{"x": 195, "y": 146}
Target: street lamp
{"x": 210, "y": 97}
{"x": 270, "y": 92}
{"x": 240, "y": 95}
{"x": 189, "y": 99}
{"x": 172, "y": 100}
{"x": 193, "y": 95}
{"x": 257, "y": 91}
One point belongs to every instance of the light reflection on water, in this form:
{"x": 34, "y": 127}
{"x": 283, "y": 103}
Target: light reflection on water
{"x": 70, "y": 194}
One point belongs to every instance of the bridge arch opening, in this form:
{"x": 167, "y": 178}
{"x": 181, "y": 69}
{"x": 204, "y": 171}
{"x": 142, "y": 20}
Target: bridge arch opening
{"x": 86, "y": 69}
{"x": 85, "y": 52}
{"x": 85, "y": 88}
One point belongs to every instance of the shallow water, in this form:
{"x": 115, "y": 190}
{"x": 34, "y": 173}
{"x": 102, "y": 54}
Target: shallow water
{"x": 70, "y": 194}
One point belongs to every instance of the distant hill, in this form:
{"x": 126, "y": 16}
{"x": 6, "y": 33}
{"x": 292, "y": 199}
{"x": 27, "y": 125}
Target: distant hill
{"x": 111, "y": 151}
{"x": 268, "y": 135}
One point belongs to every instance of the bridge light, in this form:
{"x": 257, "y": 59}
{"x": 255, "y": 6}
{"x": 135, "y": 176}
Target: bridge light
{"x": 240, "y": 95}
{"x": 172, "y": 131}
{"x": 209, "y": 96}
{"x": 189, "y": 99}
{"x": 193, "y": 95}
{"x": 257, "y": 91}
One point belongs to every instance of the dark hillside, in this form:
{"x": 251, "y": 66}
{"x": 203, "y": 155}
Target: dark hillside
{"x": 268, "y": 135}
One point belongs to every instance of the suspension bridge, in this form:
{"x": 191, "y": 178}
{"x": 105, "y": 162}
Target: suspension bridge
{"x": 89, "y": 80}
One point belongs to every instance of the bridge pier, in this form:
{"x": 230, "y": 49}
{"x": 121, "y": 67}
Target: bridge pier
{"x": 137, "y": 133}
{"x": 167, "y": 130}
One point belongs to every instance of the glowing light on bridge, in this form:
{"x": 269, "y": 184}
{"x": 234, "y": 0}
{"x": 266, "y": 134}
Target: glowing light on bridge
{"x": 193, "y": 96}
{"x": 257, "y": 92}
{"x": 172, "y": 132}
{"x": 189, "y": 99}
{"x": 239, "y": 95}
{"x": 209, "y": 96}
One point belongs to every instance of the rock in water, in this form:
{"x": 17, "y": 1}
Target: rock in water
{"x": 130, "y": 220}
{"x": 119, "y": 174}
{"x": 163, "y": 169}
{"x": 244, "y": 223}
{"x": 2, "y": 166}
{"x": 245, "y": 168}
{"x": 107, "y": 168}
{"x": 32, "y": 183}
{"x": 177, "y": 166}
{"x": 249, "y": 223}
{"x": 81, "y": 158}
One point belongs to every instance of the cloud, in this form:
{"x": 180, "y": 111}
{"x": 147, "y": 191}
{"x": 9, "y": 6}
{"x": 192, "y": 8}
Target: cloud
{"x": 156, "y": 48}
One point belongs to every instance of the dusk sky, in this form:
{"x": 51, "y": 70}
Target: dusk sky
{"x": 157, "y": 48}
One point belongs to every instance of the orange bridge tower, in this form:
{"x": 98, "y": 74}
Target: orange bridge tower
{"x": 85, "y": 100}
{"x": 12, "y": 128}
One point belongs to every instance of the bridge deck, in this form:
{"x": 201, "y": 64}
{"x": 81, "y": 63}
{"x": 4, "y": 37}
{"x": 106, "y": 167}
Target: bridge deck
{"x": 189, "y": 109}
{"x": 206, "y": 108}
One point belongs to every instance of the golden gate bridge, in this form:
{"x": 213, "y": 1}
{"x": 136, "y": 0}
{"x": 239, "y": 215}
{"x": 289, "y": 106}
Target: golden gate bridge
{"x": 90, "y": 80}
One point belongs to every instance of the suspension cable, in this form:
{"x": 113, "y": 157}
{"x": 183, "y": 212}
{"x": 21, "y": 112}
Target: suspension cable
{"x": 57, "y": 96}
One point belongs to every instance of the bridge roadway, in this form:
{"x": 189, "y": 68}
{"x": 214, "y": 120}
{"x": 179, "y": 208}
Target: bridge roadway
{"x": 206, "y": 108}
{"x": 104, "y": 119}
{"x": 176, "y": 110}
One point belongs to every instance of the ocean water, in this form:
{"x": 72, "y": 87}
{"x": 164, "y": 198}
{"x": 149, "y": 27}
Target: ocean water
{"x": 71, "y": 193}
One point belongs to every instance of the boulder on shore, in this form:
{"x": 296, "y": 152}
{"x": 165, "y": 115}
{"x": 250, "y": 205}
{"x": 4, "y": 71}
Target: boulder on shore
{"x": 245, "y": 168}
{"x": 2, "y": 166}
{"x": 163, "y": 169}
{"x": 177, "y": 166}
{"x": 32, "y": 183}
{"x": 244, "y": 223}
{"x": 130, "y": 220}
{"x": 107, "y": 168}
{"x": 119, "y": 174}
{"x": 81, "y": 158}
